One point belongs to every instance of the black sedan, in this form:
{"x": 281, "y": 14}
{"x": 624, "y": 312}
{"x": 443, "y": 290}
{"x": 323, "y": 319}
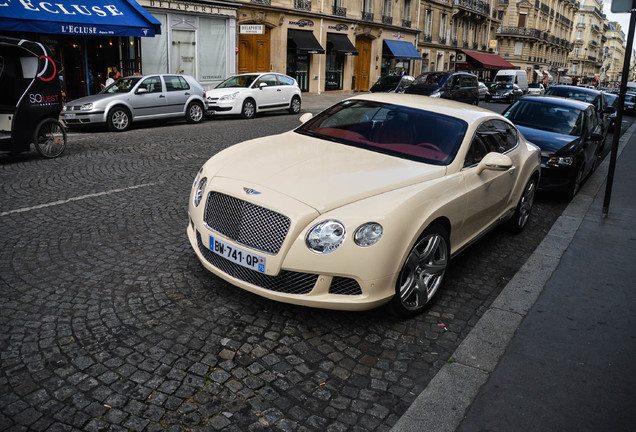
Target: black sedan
{"x": 504, "y": 92}
{"x": 569, "y": 134}
{"x": 392, "y": 84}
{"x": 595, "y": 97}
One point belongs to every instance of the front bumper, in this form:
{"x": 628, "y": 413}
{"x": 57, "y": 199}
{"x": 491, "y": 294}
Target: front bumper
{"x": 557, "y": 179}
{"x": 74, "y": 118}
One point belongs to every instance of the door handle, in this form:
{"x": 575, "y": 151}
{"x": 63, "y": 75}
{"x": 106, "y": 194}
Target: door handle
{"x": 187, "y": 93}
{"x": 162, "y": 96}
{"x": 278, "y": 90}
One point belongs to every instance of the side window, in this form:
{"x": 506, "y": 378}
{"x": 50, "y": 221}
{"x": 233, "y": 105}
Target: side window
{"x": 498, "y": 135}
{"x": 175, "y": 83}
{"x": 285, "y": 80}
{"x": 591, "y": 121}
{"x": 478, "y": 149}
{"x": 269, "y": 79}
{"x": 152, "y": 84}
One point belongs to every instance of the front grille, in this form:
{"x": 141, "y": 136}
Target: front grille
{"x": 246, "y": 223}
{"x": 344, "y": 286}
{"x": 287, "y": 282}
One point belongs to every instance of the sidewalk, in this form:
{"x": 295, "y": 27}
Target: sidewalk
{"x": 556, "y": 351}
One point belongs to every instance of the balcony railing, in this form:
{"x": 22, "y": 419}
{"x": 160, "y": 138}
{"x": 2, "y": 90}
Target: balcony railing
{"x": 367, "y": 16}
{"x": 262, "y": 2}
{"x": 473, "y": 5}
{"x": 454, "y": 42}
{"x": 406, "y": 23}
{"x": 442, "y": 40}
{"x": 339, "y": 11}
{"x": 465, "y": 44}
{"x": 302, "y": 5}
{"x": 387, "y": 19}
{"x": 475, "y": 45}
{"x": 519, "y": 31}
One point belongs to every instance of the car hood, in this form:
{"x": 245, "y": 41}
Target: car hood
{"x": 501, "y": 92}
{"x": 218, "y": 92}
{"x": 322, "y": 174}
{"x": 546, "y": 141}
{"x": 95, "y": 98}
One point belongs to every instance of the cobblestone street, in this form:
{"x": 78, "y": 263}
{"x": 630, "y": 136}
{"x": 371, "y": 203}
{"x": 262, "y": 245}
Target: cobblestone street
{"x": 110, "y": 323}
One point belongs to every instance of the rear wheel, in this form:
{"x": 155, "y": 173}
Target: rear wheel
{"x": 194, "y": 112}
{"x": 119, "y": 119}
{"x": 522, "y": 212}
{"x": 422, "y": 273}
{"x": 49, "y": 138}
{"x": 294, "y": 107}
{"x": 249, "y": 109}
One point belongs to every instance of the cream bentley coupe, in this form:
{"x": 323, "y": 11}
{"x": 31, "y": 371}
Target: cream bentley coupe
{"x": 363, "y": 204}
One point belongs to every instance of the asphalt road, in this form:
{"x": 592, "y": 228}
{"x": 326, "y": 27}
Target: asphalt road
{"x": 109, "y": 322}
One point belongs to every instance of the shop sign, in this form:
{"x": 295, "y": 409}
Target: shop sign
{"x": 187, "y": 7}
{"x": 251, "y": 28}
{"x": 302, "y": 23}
{"x": 339, "y": 27}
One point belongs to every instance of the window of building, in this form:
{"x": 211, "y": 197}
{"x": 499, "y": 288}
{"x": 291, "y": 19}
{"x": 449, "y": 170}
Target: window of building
{"x": 406, "y": 16}
{"x": 518, "y": 48}
{"x": 442, "y": 27}
{"x": 386, "y": 10}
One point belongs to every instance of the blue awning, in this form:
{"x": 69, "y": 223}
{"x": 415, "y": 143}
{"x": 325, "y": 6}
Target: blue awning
{"x": 94, "y": 18}
{"x": 403, "y": 50}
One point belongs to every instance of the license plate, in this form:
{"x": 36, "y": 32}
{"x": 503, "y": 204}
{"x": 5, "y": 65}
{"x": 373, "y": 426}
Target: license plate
{"x": 69, "y": 116}
{"x": 237, "y": 255}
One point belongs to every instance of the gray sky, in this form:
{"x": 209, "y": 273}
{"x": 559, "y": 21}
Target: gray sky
{"x": 622, "y": 18}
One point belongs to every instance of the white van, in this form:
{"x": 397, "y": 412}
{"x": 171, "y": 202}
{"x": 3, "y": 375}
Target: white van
{"x": 515, "y": 76}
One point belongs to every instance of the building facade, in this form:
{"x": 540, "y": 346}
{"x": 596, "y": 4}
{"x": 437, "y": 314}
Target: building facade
{"x": 614, "y": 55}
{"x": 535, "y": 36}
{"x": 586, "y": 59}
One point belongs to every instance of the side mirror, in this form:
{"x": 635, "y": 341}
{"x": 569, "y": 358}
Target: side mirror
{"x": 142, "y": 90}
{"x": 261, "y": 85}
{"x": 306, "y": 117}
{"x": 494, "y": 161}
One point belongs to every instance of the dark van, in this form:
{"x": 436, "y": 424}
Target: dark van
{"x": 458, "y": 86}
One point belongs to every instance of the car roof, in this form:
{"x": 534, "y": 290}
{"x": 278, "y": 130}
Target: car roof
{"x": 582, "y": 89}
{"x": 461, "y": 110}
{"x": 560, "y": 101}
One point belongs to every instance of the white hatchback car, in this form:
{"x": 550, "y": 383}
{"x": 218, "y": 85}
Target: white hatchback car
{"x": 536, "y": 89}
{"x": 248, "y": 94}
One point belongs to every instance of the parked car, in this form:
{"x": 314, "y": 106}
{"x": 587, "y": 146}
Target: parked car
{"x": 513, "y": 76}
{"x": 629, "y": 104}
{"x": 504, "y": 92}
{"x": 483, "y": 89}
{"x": 536, "y": 89}
{"x": 569, "y": 134}
{"x": 249, "y": 94}
{"x": 136, "y": 98}
{"x": 612, "y": 101}
{"x": 458, "y": 86}
{"x": 589, "y": 95}
{"x": 362, "y": 205}
{"x": 392, "y": 84}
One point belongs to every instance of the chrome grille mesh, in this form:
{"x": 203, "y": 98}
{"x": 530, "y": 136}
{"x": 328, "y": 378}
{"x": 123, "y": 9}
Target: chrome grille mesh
{"x": 246, "y": 223}
{"x": 344, "y": 286}
{"x": 286, "y": 282}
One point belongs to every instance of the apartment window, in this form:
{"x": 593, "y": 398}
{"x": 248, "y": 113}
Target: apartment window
{"x": 406, "y": 16}
{"x": 428, "y": 23}
{"x": 367, "y": 6}
{"x": 518, "y": 48}
{"x": 442, "y": 27}
{"x": 386, "y": 11}
{"x": 579, "y": 34}
{"x": 582, "y": 19}
{"x": 522, "y": 20}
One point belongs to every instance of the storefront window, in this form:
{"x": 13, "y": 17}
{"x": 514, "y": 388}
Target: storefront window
{"x": 183, "y": 52}
{"x": 334, "y": 70}
{"x": 212, "y": 54}
{"x": 298, "y": 67}
{"x": 154, "y": 50}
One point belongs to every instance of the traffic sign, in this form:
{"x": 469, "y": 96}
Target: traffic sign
{"x": 623, "y": 6}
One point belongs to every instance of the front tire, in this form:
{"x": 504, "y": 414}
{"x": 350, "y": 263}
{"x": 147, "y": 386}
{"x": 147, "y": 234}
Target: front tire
{"x": 422, "y": 273}
{"x": 249, "y": 109}
{"x": 294, "y": 107}
{"x": 49, "y": 138}
{"x": 119, "y": 119}
{"x": 194, "y": 112}
{"x": 522, "y": 213}
{"x": 576, "y": 183}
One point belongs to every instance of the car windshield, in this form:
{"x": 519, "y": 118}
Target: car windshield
{"x": 502, "y": 86}
{"x": 505, "y": 78}
{"x": 534, "y": 85}
{"x": 238, "y": 81}
{"x": 405, "y": 132}
{"x": 122, "y": 85}
{"x": 573, "y": 93}
{"x": 546, "y": 116}
{"x": 434, "y": 79}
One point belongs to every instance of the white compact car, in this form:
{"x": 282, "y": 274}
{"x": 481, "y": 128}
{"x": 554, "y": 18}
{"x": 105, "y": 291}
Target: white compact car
{"x": 248, "y": 94}
{"x": 536, "y": 89}
{"x": 135, "y": 98}
{"x": 363, "y": 204}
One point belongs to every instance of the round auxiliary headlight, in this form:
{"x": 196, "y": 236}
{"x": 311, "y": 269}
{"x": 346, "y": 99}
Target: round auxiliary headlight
{"x": 325, "y": 237}
{"x": 368, "y": 234}
{"x": 200, "y": 190}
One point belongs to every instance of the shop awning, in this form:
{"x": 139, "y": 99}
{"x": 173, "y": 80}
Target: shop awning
{"x": 490, "y": 61}
{"x": 547, "y": 74}
{"x": 305, "y": 41}
{"x": 342, "y": 44}
{"x": 94, "y": 18}
{"x": 538, "y": 72}
{"x": 403, "y": 50}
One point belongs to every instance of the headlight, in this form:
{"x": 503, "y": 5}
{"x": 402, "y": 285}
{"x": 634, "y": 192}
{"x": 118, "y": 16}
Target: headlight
{"x": 86, "y": 107}
{"x": 325, "y": 237}
{"x": 368, "y": 234}
{"x": 561, "y": 161}
{"x": 200, "y": 190}
{"x": 228, "y": 97}
{"x": 64, "y": 107}
{"x": 196, "y": 179}
{"x": 436, "y": 94}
